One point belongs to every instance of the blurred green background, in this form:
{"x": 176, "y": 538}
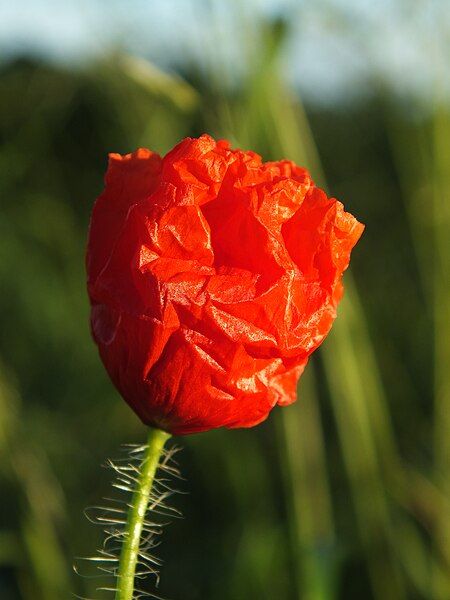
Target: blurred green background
{"x": 344, "y": 495}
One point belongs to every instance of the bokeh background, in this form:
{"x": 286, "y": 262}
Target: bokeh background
{"x": 344, "y": 495}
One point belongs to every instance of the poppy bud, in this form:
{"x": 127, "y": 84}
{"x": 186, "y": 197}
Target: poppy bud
{"x": 212, "y": 277}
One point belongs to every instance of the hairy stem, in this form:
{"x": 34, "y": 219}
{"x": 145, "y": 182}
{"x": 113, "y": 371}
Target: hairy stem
{"x": 136, "y": 514}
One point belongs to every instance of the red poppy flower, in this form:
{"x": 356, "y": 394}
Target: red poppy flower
{"x": 212, "y": 277}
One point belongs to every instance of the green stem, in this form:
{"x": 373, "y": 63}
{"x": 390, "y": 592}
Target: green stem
{"x": 136, "y": 514}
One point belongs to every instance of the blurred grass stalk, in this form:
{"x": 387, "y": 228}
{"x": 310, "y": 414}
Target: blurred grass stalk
{"x": 426, "y": 189}
{"x": 266, "y": 113}
{"x": 37, "y": 542}
{"x": 440, "y": 170}
{"x": 356, "y": 393}
{"x": 311, "y": 523}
